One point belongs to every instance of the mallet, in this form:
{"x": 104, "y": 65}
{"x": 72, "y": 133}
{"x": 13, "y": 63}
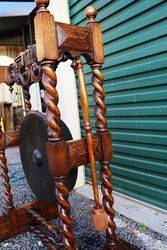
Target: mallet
{"x": 99, "y": 216}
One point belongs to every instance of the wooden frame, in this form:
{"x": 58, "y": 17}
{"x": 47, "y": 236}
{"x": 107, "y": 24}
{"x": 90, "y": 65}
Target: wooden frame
{"x": 38, "y": 64}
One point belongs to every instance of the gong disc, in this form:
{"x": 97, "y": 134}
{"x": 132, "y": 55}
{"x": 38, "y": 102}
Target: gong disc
{"x": 33, "y": 139}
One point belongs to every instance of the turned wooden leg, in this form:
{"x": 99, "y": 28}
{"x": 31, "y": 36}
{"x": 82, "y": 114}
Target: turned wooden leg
{"x": 64, "y": 209}
{"x": 108, "y": 201}
{"x": 101, "y": 127}
{"x": 49, "y": 81}
{"x": 7, "y": 190}
{"x": 5, "y": 180}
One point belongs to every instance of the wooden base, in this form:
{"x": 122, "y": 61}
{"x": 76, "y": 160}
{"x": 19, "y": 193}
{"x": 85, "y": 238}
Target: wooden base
{"x": 18, "y": 220}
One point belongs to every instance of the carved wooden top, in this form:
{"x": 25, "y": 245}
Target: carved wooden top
{"x": 73, "y": 38}
{"x": 56, "y": 42}
{"x": 72, "y": 41}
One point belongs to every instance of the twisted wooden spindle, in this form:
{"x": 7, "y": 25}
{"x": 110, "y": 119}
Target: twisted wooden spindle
{"x": 40, "y": 219}
{"x": 46, "y": 241}
{"x": 5, "y": 180}
{"x": 108, "y": 199}
{"x": 51, "y": 99}
{"x": 101, "y": 121}
{"x": 105, "y": 172}
{"x": 27, "y": 97}
{"x": 99, "y": 96}
{"x": 47, "y": 54}
{"x": 49, "y": 80}
{"x": 64, "y": 209}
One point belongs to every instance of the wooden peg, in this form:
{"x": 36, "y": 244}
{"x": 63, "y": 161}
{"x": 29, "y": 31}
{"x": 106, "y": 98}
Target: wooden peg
{"x": 42, "y": 2}
{"x": 91, "y": 14}
{"x": 96, "y": 34}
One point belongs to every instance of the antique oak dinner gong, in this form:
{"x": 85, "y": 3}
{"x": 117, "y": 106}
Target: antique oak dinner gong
{"x": 49, "y": 155}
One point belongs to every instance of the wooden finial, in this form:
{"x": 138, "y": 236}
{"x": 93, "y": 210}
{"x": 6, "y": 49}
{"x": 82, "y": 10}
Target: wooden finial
{"x": 91, "y": 13}
{"x": 44, "y": 3}
{"x": 79, "y": 64}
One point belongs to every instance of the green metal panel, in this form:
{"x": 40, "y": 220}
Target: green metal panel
{"x": 135, "y": 73}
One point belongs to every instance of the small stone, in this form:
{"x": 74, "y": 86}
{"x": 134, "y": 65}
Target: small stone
{"x": 40, "y": 244}
{"x": 119, "y": 223}
{"x": 5, "y": 244}
{"x": 158, "y": 245}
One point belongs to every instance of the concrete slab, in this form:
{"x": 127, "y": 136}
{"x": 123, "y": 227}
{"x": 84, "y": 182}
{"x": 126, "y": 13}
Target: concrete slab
{"x": 150, "y": 216}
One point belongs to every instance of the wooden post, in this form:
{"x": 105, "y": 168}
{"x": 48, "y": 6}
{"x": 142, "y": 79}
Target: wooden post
{"x": 101, "y": 122}
{"x": 11, "y": 211}
{"x": 5, "y": 175}
{"x": 47, "y": 54}
{"x": 27, "y": 97}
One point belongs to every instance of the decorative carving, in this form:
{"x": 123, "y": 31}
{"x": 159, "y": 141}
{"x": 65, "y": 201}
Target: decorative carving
{"x": 73, "y": 38}
{"x": 25, "y": 70}
{"x": 13, "y": 75}
{"x": 79, "y": 152}
{"x": 36, "y": 72}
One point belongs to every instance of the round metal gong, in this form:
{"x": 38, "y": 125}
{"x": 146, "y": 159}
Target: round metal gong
{"x": 33, "y": 139}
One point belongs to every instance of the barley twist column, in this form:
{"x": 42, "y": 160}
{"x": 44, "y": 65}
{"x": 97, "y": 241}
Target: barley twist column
{"x": 5, "y": 180}
{"x": 51, "y": 98}
{"x": 27, "y": 99}
{"x": 99, "y": 96}
{"x": 47, "y": 54}
{"x": 105, "y": 172}
{"x": 42, "y": 221}
{"x": 64, "y": 209}
{"x": 101, "y": 121}
{"x": 49, "y": 81}
{"x": 46, "y": 241}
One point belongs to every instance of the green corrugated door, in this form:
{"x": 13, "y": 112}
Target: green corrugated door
{"x": 135, "y": 73}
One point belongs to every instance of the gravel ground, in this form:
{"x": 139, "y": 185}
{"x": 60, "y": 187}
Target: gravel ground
{"x": 136, "y": 234}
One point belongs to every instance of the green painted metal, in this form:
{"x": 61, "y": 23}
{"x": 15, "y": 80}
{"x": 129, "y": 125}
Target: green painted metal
{"x": 135, "y": 73}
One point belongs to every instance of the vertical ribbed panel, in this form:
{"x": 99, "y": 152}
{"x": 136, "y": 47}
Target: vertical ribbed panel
{"x": 135, "y": 73}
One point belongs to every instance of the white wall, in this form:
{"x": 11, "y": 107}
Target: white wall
{"x": 66, "y": 86}
{"x": 5, "y": 94}
{"x": 35, "y": 97}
